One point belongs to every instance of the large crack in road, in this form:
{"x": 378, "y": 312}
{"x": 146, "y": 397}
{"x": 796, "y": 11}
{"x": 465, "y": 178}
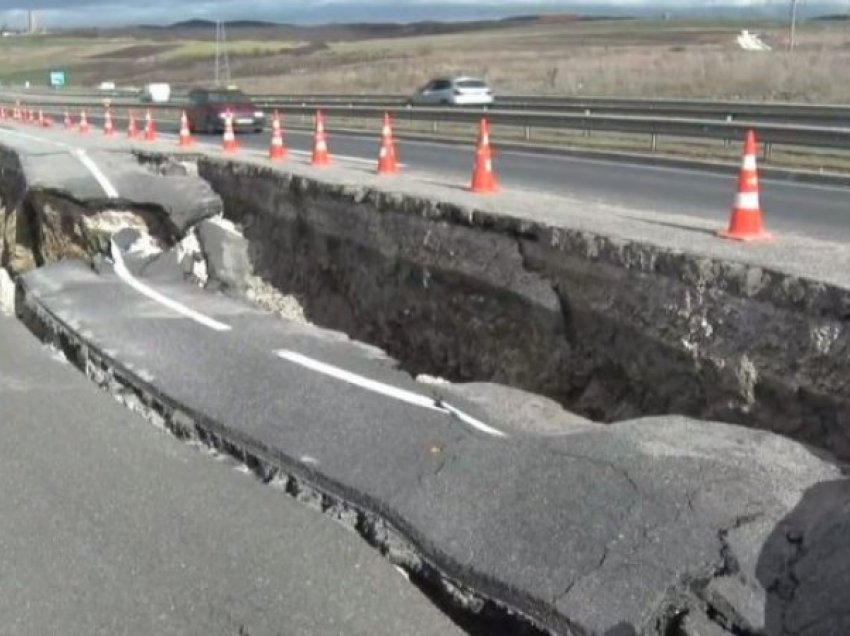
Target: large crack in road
{"x": 485, "y": 527}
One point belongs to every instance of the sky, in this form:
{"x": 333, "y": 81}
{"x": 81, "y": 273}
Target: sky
{"x": 55, "y": 13}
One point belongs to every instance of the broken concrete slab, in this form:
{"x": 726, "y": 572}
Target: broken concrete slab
{"x": 56, "y": 205}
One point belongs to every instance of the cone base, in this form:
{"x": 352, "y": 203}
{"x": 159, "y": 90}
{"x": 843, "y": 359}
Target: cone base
{"x": 320, "y": 162}
{"x": 483, "y": 187}
{"x": 388, "y": 170}
{"x": 185, "y": 143}
{"x": 745, "y": 236}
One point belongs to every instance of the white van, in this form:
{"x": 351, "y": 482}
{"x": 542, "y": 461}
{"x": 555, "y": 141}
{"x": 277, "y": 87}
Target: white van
{"x": 158, "y": 93}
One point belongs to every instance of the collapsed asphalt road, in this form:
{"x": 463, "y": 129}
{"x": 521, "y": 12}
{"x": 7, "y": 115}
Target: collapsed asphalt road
{"x": 107, "y": 526}
{"x": 637, "y": 524}
{"x": 656, "y": 526}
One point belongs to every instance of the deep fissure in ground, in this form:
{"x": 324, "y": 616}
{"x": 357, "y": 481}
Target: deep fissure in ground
{"x": 611, "y": 329}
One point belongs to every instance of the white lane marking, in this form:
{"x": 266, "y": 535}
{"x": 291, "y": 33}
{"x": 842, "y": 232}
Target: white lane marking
{"x": 471, "y": 421}
{"x": 97, "y": 173}
{"x": 403, "y": 395}
{"x": 124, "y": 274}
{"x": 80, "y": 155}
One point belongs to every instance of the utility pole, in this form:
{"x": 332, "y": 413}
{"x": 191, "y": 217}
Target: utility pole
{"x": 792, "y": 36}
{"x": 222, "y": 57}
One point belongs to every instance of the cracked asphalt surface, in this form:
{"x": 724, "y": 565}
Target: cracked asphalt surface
{"x": 109, "y": 526}
{"x": 625, "y": 525}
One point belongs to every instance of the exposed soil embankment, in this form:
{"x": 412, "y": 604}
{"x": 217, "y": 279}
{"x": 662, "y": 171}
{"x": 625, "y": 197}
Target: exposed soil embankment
{"x": 55, "y": 220}
{"x": 609, "y": 327}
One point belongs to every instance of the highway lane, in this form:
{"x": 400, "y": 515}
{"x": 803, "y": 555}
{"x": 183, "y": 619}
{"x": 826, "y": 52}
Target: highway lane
{"x": 108, "y": 526}
{"x": 814, "y": 210}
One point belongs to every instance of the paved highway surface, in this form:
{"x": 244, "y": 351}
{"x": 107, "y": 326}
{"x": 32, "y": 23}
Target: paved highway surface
{"x": 815, "y": 210}
{"x": 108, "y": 526}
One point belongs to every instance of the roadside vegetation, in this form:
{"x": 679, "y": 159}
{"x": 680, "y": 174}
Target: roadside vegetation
{"x": 637, "y": 58}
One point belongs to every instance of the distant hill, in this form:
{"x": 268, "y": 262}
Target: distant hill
{"x": 838, "y": 17}
{"x": 257, "y": 29}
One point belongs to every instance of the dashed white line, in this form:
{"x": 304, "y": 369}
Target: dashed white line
{"x": 124, "y": 274}
{"x": 403, "y": 395}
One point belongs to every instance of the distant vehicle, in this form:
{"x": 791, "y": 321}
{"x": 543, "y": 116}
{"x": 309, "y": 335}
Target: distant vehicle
{"x": 209, "y": 106}
{"x": 106, "y": 86}
{"x": 158, "y": 93}
{"x": 454, "y": 91}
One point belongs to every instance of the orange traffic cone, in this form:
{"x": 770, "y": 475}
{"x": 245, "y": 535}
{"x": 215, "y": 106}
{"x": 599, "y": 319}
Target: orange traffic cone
{"x": 132, "y": 127}
{"x": 745, "y": 223}
{"x": 84, "y": 123}
{"x": 150, "y": 127}
{"x": 185, "y": 134}
{"x": 229, "y": 143}
{"x": 483, "y": 177}
{"x": 386, "y": 157}
{"x": 47, "y": 121}
{"x": 108, "y": 128}
{"x": 320, "y": 157}
{"x": 277, "y": 151}
{"x": 68, "y": 121}
{"x": 2, "y": 113}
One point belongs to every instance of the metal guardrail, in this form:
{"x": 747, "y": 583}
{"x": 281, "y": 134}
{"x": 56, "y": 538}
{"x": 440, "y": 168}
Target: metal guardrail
{"x": 810, "y": 114}
{"x": 652, "y": 126}
{"x": 768, "y": 112}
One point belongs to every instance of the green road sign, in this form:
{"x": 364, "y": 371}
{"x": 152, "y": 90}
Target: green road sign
{"x": 58, "y": 79}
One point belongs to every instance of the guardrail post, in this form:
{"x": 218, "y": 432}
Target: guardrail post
{"x": 528, "y": 133}
{"x": 654, "y": 142}
{"x": 768, "y": 149}
{"x": 586, "y": 129}
{"x": 434, "y": 127}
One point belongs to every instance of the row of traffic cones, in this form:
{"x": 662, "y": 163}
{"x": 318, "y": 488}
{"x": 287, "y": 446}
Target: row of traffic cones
{"x": 745, "y": 224}
{"x": 26, "y": 116}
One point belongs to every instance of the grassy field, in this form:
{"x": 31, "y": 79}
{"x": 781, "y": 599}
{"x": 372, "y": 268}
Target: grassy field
{"x": 629, "y": 58}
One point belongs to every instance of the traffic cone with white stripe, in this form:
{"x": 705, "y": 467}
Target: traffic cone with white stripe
{"x": 277, "y": 151}
{"x": 69, "y": 123}
{"x": 150, "y": 127}
{"x": 745, "y": 223}
{"x": 84, "y": 123}
{"x": 108, "y": 128}
{"x": 386, "y": 157}
{"x": 185, "y": 140}
{"x": 229, "y": 143}
{"x": 321, "y": 157}
{"x": 483, "y": 177}
{"x": 132, "y": 126}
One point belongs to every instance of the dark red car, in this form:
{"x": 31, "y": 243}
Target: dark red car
{"x": 208, "y": 107}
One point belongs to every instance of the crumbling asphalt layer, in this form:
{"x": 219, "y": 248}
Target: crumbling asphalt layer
{"x": 650, "y": 534}
{"x": 581, "y": 533}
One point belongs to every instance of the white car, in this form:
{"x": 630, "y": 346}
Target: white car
{"x": 454, "y": 91}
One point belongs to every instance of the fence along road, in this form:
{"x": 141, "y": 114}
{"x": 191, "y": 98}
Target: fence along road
{"x": 826, "y": 137}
